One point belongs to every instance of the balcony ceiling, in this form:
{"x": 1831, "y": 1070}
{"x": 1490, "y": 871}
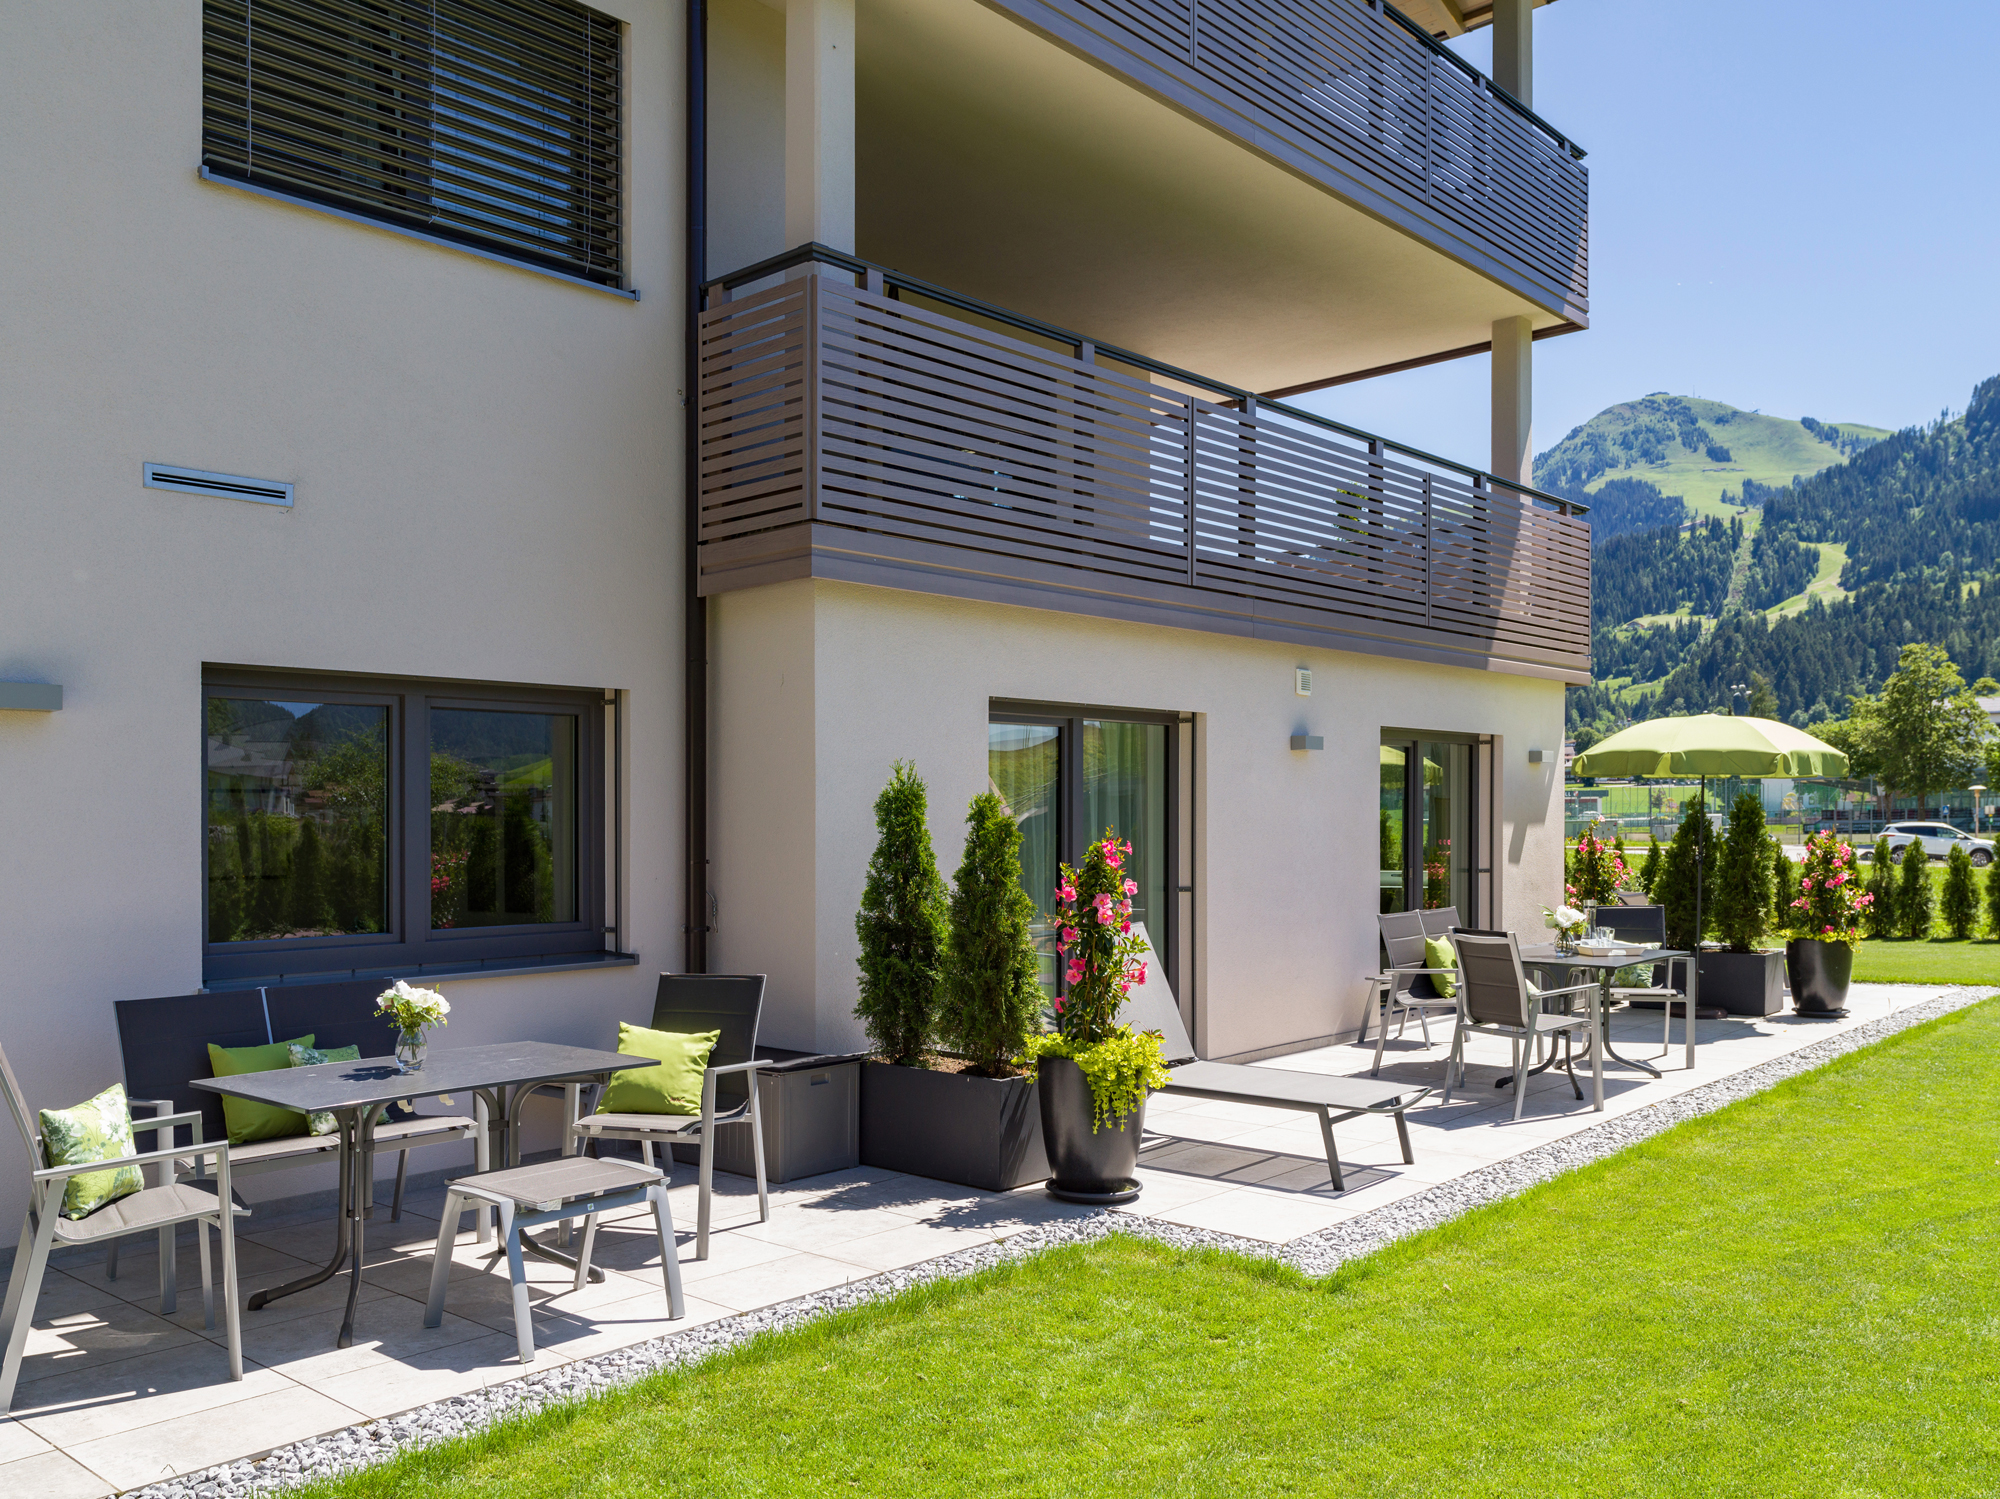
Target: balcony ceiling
{"x": 1453, "y": 17}
{"x": 996, "y": 163}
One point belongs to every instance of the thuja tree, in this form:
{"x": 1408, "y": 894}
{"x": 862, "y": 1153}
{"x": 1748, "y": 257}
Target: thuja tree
{"x": 1743, "y": 878}
{"x": 1784, "y": 885}
{"x": 1916, "y": 903}
{"x": 1675, "y": 887}
{"x": 988, "y": 999}
{"x": 1649, "y": 872}
{"x": 1959, "y": 904}
{"x": 901, "y": 924}
{"x": 1880, "y": 918}
{"x": 1993, "y": 899}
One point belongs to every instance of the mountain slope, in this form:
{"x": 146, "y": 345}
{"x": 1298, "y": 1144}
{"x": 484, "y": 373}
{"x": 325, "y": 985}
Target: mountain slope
{"x": 1700, "y": 451}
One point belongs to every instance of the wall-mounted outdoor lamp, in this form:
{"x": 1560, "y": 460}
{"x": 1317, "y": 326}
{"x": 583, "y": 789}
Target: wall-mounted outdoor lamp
{"x": 1308, "y": 742}
{"x": 30, "y": 697}
{"x": 1534, "y": 757}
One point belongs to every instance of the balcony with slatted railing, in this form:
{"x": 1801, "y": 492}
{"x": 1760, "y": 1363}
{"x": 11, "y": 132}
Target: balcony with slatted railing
{"x": 864, "y": 426}
{"x": 1362, "y": 100}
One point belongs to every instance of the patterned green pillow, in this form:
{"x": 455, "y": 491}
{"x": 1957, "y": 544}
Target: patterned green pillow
{"x": 321, "y": 1122}
{"x": 97, "y": 1130}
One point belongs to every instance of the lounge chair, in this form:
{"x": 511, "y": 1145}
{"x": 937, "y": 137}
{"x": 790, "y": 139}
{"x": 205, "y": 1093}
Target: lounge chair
{"x": 1151, "y": 1007}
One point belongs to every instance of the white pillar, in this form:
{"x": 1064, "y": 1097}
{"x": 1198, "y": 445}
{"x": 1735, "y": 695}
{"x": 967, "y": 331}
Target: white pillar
{"x": 1513, "y": 399}
{"x": 1514, "y": 48}
{"x": 819, "y": 123}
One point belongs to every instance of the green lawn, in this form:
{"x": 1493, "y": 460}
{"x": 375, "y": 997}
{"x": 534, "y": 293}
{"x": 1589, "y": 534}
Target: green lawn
{"x": 1798, "y": 1295}
{"x": 1937, "y": 961}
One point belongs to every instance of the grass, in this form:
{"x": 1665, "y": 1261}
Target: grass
{"x": 1937, "y": 961}
{"x": 1795, "y": 1296}
{"x": 1825, "y": 584}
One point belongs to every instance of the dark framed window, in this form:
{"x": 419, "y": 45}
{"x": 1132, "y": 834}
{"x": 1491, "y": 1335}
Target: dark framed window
{"x": 489, "y": 123}
{"x": 1068, "y": 774}
{"x": 1430, "y": 801}
{"x": 357, "y": 825}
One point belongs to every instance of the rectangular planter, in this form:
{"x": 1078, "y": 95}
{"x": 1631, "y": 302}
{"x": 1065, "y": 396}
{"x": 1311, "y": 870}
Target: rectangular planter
{"x": 1744, "y": 983}
{"x": 974, "y": 1131}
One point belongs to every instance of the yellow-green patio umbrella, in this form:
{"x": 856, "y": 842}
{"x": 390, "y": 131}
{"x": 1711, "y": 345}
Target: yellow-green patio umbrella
{"x": 1704, "y": 745}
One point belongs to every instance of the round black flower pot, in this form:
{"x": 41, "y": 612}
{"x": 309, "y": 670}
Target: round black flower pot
{"x": 1093, "y": 1166}
{"x": 1819, "y": 973}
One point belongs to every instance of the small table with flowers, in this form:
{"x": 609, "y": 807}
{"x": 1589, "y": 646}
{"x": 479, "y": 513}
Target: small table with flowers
{"x": 1605, "y": 965}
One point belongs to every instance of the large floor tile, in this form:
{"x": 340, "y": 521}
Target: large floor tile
{"x": 1251, "y": 1214}
{"x": 52, "y": 1475}
{"x": 908, "y": 1245}
{"x": 17, "y": 1441}
{"x": 778, "y": 1280}
{"x": 307, "y": 1349}
{"x": 97, "y": 1338}
{"x": 388, "y": 1386}
{"x": 186, "y": 1443}
{"x": 84, "y": 1404}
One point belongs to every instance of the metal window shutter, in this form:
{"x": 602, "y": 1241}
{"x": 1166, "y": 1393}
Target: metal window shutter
{"x": 492, "y": 122}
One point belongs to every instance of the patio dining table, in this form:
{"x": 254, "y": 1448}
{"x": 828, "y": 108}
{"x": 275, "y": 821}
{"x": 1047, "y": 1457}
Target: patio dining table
{"x": 1605, "y": 966}
{"x": 358, "y": 1094}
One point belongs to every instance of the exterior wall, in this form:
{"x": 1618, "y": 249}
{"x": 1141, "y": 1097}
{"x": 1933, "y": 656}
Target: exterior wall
{"x": 746, "y": 134}
{"x": 488, "y": 488}
{"x": 1286, "y": 889}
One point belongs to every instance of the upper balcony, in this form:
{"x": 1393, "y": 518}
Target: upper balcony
{"x": 862, "y": 425}
{"x": 1361, "y": 100}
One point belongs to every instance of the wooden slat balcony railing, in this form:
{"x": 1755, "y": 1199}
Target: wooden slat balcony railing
{"x": 937, "y": 444}
{"x": 1363, "y": 99}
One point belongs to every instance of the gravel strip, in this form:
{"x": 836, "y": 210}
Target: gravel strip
{"x": 1315, "y": 1254}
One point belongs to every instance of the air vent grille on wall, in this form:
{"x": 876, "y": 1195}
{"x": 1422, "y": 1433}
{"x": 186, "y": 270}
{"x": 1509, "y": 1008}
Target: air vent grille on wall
{"x": 230, "y": 486}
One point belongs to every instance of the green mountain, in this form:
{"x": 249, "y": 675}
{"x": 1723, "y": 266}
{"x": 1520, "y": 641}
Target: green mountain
{"x": 1899, "y": 542}
{"x": 1702, "y": 452}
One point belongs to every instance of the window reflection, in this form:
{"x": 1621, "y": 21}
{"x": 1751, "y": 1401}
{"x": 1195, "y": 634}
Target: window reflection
{"x": 1023, "y": 770}
{"x": 503, "y": 818}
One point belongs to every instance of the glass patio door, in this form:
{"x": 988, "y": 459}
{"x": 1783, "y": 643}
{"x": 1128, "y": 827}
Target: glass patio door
{"x": 1427, "y": 855}
{"x": 1067, "y": 780}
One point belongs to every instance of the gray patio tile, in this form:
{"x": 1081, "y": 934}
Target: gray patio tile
{"x": 139, "y": 1268}
{"x": 62, "y": 1294}
{"x": 100, "y": 1400}
{"x": 1163, "y": 1191}
{"x": 1275, "y": 1217}
{"x": 52, "y": 1475}
{"x": 388, "y": 1328}
{"x": 778, "y": 1280}
{"x": 17, "y": 1441}
{"x": 99, "y": 1337}
{"x": 821, "y": 1230}
{"x": 908, "y": 1245}
{"x": 185, "y": 1443}
{"x": 387, "y": 1386}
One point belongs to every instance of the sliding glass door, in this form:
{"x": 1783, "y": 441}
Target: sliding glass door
{"x": 1071, "y": 776}
{"x": 1428, "y": 834}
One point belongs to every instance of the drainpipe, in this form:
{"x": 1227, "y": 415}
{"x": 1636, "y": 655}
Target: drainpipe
{"x": 694, "y": 616}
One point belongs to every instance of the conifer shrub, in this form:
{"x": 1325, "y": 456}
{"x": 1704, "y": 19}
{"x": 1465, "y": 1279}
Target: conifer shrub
{"x": 1916, "y": 904}
{"x": 1880, "y": 920}
{"x": 1959, "y": 904}
{"x": 1649, "y": 872}
{"x": 1993, "y": 899}
{"x": 901, "y": 924}
{"x": 1743, "y": 878}
{"x": 1784, "y": 885}
{"x": 988, "y": 999}
{"x": 1674, "y": 890}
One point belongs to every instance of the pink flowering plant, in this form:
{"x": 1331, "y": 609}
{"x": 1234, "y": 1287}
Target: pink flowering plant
{"x": 1596, "y": 872}
{"x": 1103, "y": 957}
{"x": 1831, "y": 901}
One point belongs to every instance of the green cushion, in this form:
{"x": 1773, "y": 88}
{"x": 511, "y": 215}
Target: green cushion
{"x": 1439, "y": 953}
{"x": 673, "y": 1087}
{"x": 99, "y": 1129}
{"x": 249, "y": 1121}
{"x": 320, "y": 1122}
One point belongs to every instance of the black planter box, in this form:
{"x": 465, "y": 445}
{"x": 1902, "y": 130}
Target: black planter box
{"x": 949, "y": 1126}
{"x": 1744, "y": 983}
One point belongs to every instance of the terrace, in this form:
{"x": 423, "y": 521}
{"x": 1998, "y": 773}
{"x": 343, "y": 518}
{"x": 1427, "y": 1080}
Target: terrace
{"x": 115, "y": 1396}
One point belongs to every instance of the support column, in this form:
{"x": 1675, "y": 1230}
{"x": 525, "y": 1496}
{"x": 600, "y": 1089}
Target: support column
{"x": 1514, "y": 48}
{"x": 1513, "y": 400}
{"x": 819, "y": 123}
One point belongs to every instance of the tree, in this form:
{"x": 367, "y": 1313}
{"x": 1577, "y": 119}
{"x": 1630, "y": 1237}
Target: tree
{"x": 988, "y": 997}
{"x": 1930, "y": 732}
{"x": 1649, "y": 872}
{"x": 1743, "y": 878}
{"x": 901, "y": 923}
{"x": 1915, "y": 903}
{"x": 1960, "y": 903}
{"x": 1880, "y": 920}
{"x": 307, "y": 905}
{"x": 1675, "y": 887}
{"x": 1784, "y": 886}
{"x": 1993, "y": 899}
{"x": 1763, "y": 701}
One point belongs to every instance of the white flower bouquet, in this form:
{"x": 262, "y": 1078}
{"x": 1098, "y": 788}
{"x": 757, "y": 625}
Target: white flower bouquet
{"x": 413, "y": 1010}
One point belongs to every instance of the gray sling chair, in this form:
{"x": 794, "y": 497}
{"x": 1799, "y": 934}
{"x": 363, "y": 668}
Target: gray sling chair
{"x": 205, "y": 1202}
{"x": 1494, "y": 996}
{"x": 1151, "y": 1007}
{"x": 1407, "y": 987}
{"x": 1645, "y": 925}
{"x": 688, "y": 1002}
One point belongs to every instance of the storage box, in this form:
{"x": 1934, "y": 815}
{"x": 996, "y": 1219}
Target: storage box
{"x": 811, "y": 1105}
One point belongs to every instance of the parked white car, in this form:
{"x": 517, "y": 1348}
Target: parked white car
{"x": 1938, "y": 839}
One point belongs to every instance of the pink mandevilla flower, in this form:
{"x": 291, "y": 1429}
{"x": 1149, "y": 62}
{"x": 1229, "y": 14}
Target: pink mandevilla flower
{"x": 1131, "y": 887}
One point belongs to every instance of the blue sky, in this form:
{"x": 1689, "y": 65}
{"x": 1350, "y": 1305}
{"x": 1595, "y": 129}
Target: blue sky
{"x": 1792, "y": 209}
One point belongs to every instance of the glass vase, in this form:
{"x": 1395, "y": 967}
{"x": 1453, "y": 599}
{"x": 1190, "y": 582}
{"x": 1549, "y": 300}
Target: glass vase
{"x": 410, "y": 1051}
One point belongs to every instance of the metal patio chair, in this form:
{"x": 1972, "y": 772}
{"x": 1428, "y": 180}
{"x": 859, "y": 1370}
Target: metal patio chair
{"x": 1495, "y": 997}
{"x": 1406, "y": 987}
{"x": 697, "y": 1002}
{"x": 1648, "y": 925}
{"x": 162, "y": 1207}
{"x": 555, "y": 1191}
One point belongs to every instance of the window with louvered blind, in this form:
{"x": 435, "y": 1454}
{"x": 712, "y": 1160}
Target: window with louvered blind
{"x": 490, "y": 123}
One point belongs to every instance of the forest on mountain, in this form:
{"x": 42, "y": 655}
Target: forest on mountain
{"x": 1918, "y": 517}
